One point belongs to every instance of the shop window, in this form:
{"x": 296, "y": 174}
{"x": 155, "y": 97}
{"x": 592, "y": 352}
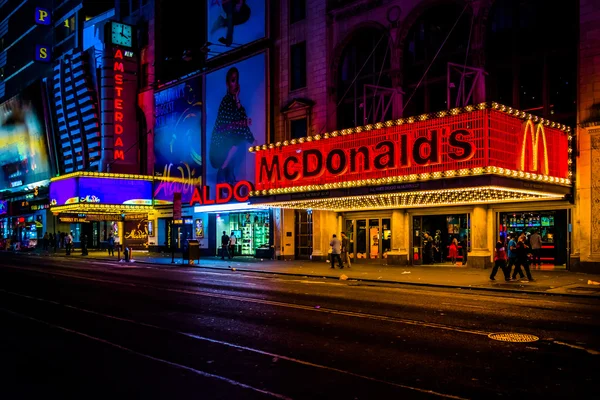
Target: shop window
{"x": 252, "y": 229}
{"x": 298, "y": 66}
{"x": 303, "y": 234}
{"x": 297, "y": 10}
{"x": 364, "y": 61}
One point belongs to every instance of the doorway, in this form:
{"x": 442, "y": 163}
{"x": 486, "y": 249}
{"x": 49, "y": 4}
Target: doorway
{"x": 432, "y": 235}
{"x": 370, "y": 239}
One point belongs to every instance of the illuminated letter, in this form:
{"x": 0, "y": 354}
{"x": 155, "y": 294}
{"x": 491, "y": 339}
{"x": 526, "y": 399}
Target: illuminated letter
{"x": 342, "y": 161}
{"x": 118, "y": 79}
{"x": 42, "y": 15}
{"x": 119, "y": 141}
{"x": 381, "y": 162}
{"x": 317, "y": 163}
{"x": 119, "y": 91}
{"x": 404, "y": 162}
{"x": 43, "y": 53}
{"x": 118, "y": 129}
{"x": 119, "y": 104}
{"x": 118, "y": 66}
{"x": 264, "y": 167}
{"x": 228, "y": 190}
{"x": 290, "y": 176}
{"x": 466, "y": 147}
{"x": 196, "y": 198}
{"x": 365, "y": 156}
{"x": 534, "y": 147}
{"x": 242, "y": 190}
{"x": 118, "y": 116}
{"x": 119, "y": 54}
{"x": 206, "y": 195}
{"x": 119, "y": 155}
{"x": 432, "y": 144}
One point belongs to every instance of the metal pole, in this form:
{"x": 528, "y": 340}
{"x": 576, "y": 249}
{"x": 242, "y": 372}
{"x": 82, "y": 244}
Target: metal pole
{"x": 172, "y": 243}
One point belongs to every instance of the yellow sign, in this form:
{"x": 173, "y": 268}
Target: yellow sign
{"x": 535, "y": 139}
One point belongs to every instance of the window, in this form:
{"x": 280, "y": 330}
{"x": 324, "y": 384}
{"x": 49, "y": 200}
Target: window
{"x": 298, "y": 128}
{"x": 421, "y": 47}
{"x": 297, "y": 10}
{"x": 298, "y": 66}
{"x": 365, "y": 61}
{"x": 66, "y": 28}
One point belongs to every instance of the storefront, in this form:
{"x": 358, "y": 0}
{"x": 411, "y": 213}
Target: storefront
{"x": 94, "y": 206}
{"x": 227, "y": 210}
{"x": 404, "y": 189}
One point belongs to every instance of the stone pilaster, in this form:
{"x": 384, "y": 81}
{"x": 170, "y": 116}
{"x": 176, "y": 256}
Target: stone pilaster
{"x": 480, "y": 255}
{"x": 400, "y": 236}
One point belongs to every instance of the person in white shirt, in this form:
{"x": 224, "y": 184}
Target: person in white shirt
{"x": 336, "y": 250}
{"x": 232, "y": 242}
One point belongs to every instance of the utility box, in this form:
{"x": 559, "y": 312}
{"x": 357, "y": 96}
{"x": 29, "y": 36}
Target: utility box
{"x": 192, "y": 251}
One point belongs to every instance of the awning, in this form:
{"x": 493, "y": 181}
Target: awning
{"x": 415, "y": 199}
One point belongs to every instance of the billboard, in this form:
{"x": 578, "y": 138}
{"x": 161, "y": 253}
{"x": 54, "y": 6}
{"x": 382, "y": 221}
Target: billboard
{"x": 64, "y": 191}
{"x": 178, "y": 138}
{"x": 233, "y": 23}
{"x": 115, "y": 191}
{"x": 24, "y": 158}
{"x": 235, "y": 120}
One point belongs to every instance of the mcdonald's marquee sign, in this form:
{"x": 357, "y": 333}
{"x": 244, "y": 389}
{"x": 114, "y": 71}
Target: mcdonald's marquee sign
{"x": 461, "y": 142}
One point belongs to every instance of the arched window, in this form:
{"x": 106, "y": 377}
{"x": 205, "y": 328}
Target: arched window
{"x": 423, "y": 41}
{"x": 352, "y": 80}
{"x": 531, "y": 57}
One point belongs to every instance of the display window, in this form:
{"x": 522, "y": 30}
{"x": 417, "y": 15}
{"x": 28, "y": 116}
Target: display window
{"x": 432, "y": 236}
{"x": 251, "y": 229}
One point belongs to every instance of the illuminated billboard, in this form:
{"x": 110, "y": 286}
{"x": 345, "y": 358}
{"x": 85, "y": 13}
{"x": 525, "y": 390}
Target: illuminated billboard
{"x": 24, "y": 157}
{"x": 178, "y": 138}
{"x": 100, "y": 191}
{"x": 233, "y": 23}
{"x": 235, "y": 120}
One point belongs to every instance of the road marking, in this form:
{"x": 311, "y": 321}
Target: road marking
{"x": 173, "y": 364}
{"x": 463, "y": 305}
{"x": 594, "y": 352}
{"x": 223, "y": 343}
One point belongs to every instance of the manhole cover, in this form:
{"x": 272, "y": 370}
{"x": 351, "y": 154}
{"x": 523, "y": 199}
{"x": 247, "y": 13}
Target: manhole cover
{"x": 513, "y": 337}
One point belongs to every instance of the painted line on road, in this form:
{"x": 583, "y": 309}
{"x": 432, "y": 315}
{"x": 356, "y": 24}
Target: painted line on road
{"x": 594, "y": 352}
{"x": 126, "y": 349}
{"x": 215, "y": 341}
{"x": 463, "y": 305}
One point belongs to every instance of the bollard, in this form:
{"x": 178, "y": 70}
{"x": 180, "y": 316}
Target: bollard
{"x": 126, "y": 254}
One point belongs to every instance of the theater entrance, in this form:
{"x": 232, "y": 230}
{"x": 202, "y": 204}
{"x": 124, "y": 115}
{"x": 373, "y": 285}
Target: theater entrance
{"x": 432, "y": 235}
{"x": 370, "y": 239}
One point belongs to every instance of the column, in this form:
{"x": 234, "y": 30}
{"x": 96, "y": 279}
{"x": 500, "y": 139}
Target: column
{"x": 325, "y": 224}
{"x": 480, "y": 255}
{"x": 400, "y": 235}
{"x": 287, "y": 235}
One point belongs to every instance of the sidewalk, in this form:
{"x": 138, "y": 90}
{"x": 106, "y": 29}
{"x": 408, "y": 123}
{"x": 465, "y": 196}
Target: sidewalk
{"x": 558, "y": 282}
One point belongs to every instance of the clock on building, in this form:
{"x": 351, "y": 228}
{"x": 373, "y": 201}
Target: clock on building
{"x": 121, "y": 34}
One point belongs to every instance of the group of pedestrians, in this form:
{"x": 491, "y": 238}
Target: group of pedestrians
{"x": 519, "y": 255}
{"x": 61, "y": 240}
{"x": 339, "y": 251}
{"x": 228, "y": 245}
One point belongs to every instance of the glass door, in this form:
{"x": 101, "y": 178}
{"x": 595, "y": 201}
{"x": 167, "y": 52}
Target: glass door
{"x": 369, "y": 239}
{"x": 416, "y": 242}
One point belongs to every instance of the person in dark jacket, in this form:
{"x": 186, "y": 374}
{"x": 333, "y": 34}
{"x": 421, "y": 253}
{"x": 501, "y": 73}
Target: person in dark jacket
{"x": 224, "y": 245}
{"x": 522, "y": 260}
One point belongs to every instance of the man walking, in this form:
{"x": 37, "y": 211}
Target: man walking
{"x": 232, "y": 242}
{"x": 224, "y": 245}
{"x": 345, "y": 247}
{"x": 336, "y": 250}
{"x": 535, "y": 242}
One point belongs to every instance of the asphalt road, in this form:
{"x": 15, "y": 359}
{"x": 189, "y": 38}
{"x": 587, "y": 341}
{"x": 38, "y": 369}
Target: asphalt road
{"x": 75, "y": 333}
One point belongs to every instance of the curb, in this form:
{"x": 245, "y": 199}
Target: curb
{"x": 368, "y": 281}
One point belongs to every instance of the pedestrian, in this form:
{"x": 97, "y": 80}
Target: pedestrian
{"x": 50, "y": 241}
{"x": 512, "y": 253}
{"x": 453, "y": 250}
{"x": 336, "y": 250}
{"x": 84, "y": 244}
{"x": 68, "y": 243}
{"x": 500, "y": 262}
{"x": 45, "y": 240}
{"x": 232, "y": 242}
{"x": 224, "y": 245}
{"x": 535, "y": 241}
{"x": 111, "y": 244}
{"x": 345, "y": 250}
{"x": 522, "y": 261}
{"x": 61, "y": 242}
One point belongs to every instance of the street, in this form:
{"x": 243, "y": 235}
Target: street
{"x": 79, "y": 333}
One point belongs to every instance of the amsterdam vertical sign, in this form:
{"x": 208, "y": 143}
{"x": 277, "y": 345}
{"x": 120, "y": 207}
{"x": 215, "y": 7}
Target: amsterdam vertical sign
{"x": 119, "y": 95}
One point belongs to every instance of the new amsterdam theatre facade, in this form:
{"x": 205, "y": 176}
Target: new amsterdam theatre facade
{"x": 475, "y": 173}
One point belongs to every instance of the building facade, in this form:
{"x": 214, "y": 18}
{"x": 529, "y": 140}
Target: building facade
{"x": 344, "y": 66}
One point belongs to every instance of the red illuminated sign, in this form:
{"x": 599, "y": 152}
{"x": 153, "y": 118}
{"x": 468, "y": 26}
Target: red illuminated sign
{"x": 224, "y": 193}
{"x": 462, "y": 142}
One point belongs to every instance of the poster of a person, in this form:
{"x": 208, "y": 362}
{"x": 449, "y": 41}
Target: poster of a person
{"x": 236, "y": 115}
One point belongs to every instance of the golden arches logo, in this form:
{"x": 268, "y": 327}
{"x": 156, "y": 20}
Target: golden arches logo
{"x": 535, "y": 141}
